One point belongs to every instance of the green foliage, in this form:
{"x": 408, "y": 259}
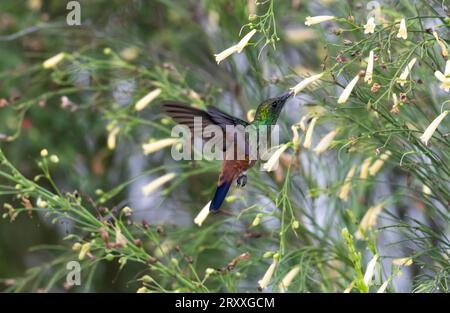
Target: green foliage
{"x": 72, "y": 164}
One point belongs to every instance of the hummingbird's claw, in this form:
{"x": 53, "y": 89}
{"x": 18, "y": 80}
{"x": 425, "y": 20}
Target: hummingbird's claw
{"x": 242, "y": 180}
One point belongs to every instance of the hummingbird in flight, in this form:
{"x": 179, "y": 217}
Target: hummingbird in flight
{"x": 232, "y": 169}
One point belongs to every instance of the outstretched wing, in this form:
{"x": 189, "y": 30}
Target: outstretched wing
{"x": 185, "y": 115}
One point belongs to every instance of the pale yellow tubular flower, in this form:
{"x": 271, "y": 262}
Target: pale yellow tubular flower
{"x": 225, "y": 54}
{"x": 369, "y": 70}
{"x": 370, "y": 271}
{"x": 369, "y": 28}
{"x": 426, "y": 136}
{"x": 311, "y": 20}
{"x": 345, "y": 189}
{"x": 158, "y": 145}
{"x": 111, "y": 141}
{"x": 403, "y": 31}
{"x": 376, "y": 166}
{"x": 143, "y": 102}
{"x": 402, "y": 261}
{"x": 244, "y": 41}
{"x": 295, "y": 137}
{"x": 426, "y": 190}
{"x": 369, "y": 220}
{"x": 441, "y": 44}
{"x": 265, "y": 281}
{"x": 395, "y": 108}
{"x": 202, "y": 215}
{"x": 383, "y": 287}
{"x": 151, "y": 187}
{"x": 251, "y": 115}
{"x": 305, "y": 83}
{"x": 287, "y": 280}
{"x": 405, "y": 74}
{"x": 325, "y": 142}
{"x": 41, "y": 203}
{"x": 121, "y": 240}
{"x": 44, "y": 153}
{"x": 53, "y": 61}
{"x": 348, "y": 90}
{"x": 237, "y": 48}
{"x": 309, "y": 133}
{"x": 143, "y": 290}
{"x": 83, "y": 251}
{"x": 365, "y": 168}
{"x": 444, "y": 77}
{"x": 302, "y": 122}
{"x": 350, "y": 287}
{"x": 272, "y": 163}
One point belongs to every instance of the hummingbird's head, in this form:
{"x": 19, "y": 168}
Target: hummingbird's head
{"x": 269, "y": 110}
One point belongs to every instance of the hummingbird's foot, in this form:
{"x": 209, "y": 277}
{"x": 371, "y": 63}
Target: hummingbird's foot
{"x": 242, "y": 180}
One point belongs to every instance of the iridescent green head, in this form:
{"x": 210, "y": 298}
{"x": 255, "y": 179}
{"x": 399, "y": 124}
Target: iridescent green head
{"x": 269, "y": 110}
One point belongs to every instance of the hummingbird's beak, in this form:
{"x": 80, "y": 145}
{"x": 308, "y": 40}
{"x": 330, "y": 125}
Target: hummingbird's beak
{"x": 285, "y": 96}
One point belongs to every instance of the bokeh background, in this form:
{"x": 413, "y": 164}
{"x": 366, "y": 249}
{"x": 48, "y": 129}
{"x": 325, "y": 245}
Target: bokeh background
{"x": 83, "y": 111}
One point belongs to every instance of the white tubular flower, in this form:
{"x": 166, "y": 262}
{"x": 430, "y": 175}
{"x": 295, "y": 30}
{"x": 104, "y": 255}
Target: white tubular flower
{"x": 402, "y": 262}
{"x": 311, "y": 20}
{"x": 149, "y": 188}
{"x": 376, "y": 166}
{"x": 370, "y": 271}
{"x": 444, "y": 78}
{"x": 305, "y": 83}
{"x": 365, "y": 168}
{"x": 237, "y": 48}
{"x": 53, "y": 61}
{"x": 309, "y": 133}
{"x": 272, "y": 163}
{"x": 295, "y": 136}
{"x": 41, "y": 203}
{"x": 84, "y": 250}
{"x": 111, "y": 141}
{"x": 441, "y": 44}
{"x": 350, "y": 287}
{"x": 383, "y": 287}
{"x": 395, "y": 108}
{"x": 121, "y": 240}
{"x": 143, "y": 290}
{"x": 426, "y": 136}
{"x": 369, "y": 70}
{"x": 225, "y": 54}
{"x": 345, "y": 189}
{"x": 287, "y": 280}
{"x": 403, "y": 31}
{"x": 325, "y": 142}
{"x": 244, "y": 41}
{"x": 265, "y": 281}
{"x": 143, "y": 102}
{"x": 251, "y": 115}
{"x": 348, "y": 90}
{"x": 369, "y": 220}
{"x": 202, "y": 215}
{"x": 426, "y": 190}
{"x": 302, "y": 122}
{"x": 369, "y": 28}
{"x": 158, "y": 145}
{"x": 405, "y": 74}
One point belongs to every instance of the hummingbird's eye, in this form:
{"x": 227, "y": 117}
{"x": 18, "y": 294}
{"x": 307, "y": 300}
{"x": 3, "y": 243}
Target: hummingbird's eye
{"x": 274, "y": 104}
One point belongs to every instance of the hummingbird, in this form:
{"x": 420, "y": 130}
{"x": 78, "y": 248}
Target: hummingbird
{"x": 232, "y": 169}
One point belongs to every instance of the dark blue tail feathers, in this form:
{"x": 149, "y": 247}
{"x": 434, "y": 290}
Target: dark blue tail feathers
{"x": 219, "y": 196}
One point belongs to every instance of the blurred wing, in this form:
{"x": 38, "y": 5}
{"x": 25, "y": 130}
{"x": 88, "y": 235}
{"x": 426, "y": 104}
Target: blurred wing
{"x": 185, "y": 115}
{"x": 222, "y": 119}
